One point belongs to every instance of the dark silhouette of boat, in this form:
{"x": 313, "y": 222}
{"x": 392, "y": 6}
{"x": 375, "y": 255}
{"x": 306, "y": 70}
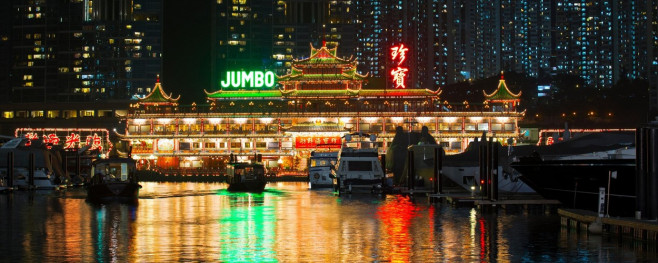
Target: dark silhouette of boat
{"x": 113, "y": 179}
{"x": 246, "y": 177}
{"x": 573, "y": 171}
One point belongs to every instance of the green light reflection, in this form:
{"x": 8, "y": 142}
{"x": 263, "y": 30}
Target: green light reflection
{"x": 247, "y": 228}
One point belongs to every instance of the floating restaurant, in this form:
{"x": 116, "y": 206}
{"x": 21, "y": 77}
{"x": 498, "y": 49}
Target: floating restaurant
{"x": 285, "y": 118}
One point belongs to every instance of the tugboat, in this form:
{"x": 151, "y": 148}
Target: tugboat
{"x": 246, "y": 177}
{"x": 113, "y": 179}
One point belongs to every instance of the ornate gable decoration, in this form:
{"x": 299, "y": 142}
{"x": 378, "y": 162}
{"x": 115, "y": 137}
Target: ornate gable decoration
{"x": 158, "y": 96}
{"x": 502, "y": 94}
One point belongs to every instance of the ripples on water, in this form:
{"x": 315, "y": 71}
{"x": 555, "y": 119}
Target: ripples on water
{"x": 183, "y": 222}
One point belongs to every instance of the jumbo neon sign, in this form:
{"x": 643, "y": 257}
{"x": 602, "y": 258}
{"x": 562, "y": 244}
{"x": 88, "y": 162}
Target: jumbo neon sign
{"x": 248, "y": 79}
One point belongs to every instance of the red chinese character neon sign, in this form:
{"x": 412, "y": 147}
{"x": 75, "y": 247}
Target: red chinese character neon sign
{"x": 399, "y": 52}
{"x": 398, "y": 76}
{"x": 51, "y": 139}
{"x": 400, "y": 73}
{"x": 30, "y": 136}
{"x": 72, "y": 140}
{"x": 95, "y": 142}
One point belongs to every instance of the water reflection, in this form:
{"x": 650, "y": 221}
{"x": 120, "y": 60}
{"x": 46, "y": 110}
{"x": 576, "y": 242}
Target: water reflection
{"x": 113, "y": 231}
{"x": 396, "y": 216}
{"x": 247, "y": 228}
{"x": 199, "y": 222}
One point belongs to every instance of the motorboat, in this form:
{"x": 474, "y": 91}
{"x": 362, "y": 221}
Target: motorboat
{"x": 463, "y": 169}
{"x": 246, "y": 177}
{"x": 319, "y": 169}
{"x": 358, "y": 168}
{"x": 113, "y": 179}
{"x": 573, "y": 171}
{"x": 30, "y": 166}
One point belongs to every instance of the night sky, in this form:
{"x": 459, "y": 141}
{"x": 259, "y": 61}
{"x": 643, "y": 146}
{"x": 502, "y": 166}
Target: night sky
{"x": 186, "y": 49}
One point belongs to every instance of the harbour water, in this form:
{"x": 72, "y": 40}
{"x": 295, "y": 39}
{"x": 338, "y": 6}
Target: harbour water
{"x": 202, "y": 222}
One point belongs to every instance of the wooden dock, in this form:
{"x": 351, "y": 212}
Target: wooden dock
{"x": 523, "y": 201}
{"x": 581, "y": 220}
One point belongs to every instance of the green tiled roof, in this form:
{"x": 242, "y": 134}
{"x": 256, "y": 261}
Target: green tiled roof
{"x": 157, "y": 95}
{"x": 502, "y": 93}
{"x": 275, "y": 94}
{"x": 264, "y": 94}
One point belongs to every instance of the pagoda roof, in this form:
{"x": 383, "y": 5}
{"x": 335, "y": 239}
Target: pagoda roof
{"x": 322, "y": 55}
{"x": 244, "y": 94}
{"x": 339, "y": 93}
{"x": 502, "y": 93}
{"x": 158, "y": 96}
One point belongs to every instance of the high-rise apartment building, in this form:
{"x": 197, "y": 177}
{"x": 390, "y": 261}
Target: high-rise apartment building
{"x": 257, "y": 35}
{"x": 84, "y": 50}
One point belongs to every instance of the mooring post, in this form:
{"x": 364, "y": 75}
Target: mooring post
{"x": 652, "y": 174}
{"x": 494, "y": 174}
{"x": 10, "y": 169}
{"x": 30, "y": 173}
{"x": 410, "y": 169}
{"x": 489, "y": 166}
{"x": 640, "y": 170}
{"x": 483, "y": 169}
{"x": 601, "y": 201}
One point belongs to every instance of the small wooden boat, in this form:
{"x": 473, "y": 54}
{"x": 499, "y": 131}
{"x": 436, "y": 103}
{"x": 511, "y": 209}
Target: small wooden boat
{"x": 246, "y": 177}
{"x": 113, "y": 179}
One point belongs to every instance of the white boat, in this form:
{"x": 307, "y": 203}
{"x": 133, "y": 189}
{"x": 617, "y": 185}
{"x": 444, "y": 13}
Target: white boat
{"x": 44, "y": 164}
{"x": 319, "y": 169}
{"x": 42, "y": 179}
{"x": 463, "y": 169}
{"x": 358, "y": 169}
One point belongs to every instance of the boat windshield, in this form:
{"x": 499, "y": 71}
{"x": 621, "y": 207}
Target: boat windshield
{"x": 111, "y": 171}
{"x": 315, "y": 162}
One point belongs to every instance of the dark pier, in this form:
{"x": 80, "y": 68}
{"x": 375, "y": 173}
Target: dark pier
{"x": 589, "y": 221}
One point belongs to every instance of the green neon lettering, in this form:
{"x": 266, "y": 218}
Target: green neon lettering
{"x": 247, "y": 78}
{"x": 258, "y": 79}
{"x": 227, "y": 81}
{"x": 235, "y": 79}
{"x": 252, "y": 79}
{"x": 269, "y": 78}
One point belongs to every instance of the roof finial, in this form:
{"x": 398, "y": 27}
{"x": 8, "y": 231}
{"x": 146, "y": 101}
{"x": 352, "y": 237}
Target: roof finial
{"x": 157, "y": 78}
{"x": 502, "y": 75}
{"x": 324, "y": 40}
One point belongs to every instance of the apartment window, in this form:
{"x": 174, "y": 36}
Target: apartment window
{"x": 8, "y": 114}
{"x": 36, "y": 114}
{"x": 87, "y": 113}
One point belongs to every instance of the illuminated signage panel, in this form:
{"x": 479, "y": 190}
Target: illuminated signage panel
{"x": 398, "y": 55}
{"x": 248, "y": 79}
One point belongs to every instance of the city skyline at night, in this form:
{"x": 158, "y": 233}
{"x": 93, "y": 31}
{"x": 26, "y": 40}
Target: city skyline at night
{"x": 94, "y": 55}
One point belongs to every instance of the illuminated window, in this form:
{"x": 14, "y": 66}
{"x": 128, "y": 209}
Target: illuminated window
{"x": 27, "y": 77}
{"x": 86, "y": 90}
{"x": 53, "y": 114}
{"x": 87, "y": 113}
{"x": 29, "y": 84}
{"x": 8, "y": 114}
{"x": 36, "y": 113}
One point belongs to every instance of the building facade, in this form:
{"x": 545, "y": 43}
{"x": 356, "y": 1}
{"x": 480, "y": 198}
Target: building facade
{"x": 311, "y": 108}
{"x": 68, "y": 51}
